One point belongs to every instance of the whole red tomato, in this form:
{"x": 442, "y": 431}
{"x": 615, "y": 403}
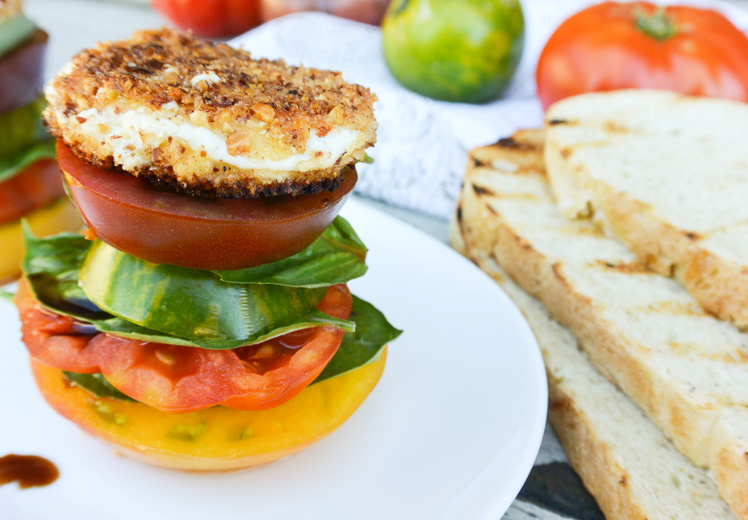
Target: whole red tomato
{"x": 640, "y": 45}
{"x": 211, "y": 18}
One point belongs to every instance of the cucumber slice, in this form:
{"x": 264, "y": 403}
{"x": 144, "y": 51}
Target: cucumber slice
{"x": 193, "y": 304}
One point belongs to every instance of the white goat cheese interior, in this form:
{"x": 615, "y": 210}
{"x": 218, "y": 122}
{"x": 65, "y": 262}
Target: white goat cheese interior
{"x": 134, "y": 134}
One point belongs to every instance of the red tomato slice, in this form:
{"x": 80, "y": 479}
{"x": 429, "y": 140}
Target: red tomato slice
{"x": 183, "y": 379}
{"x": 32, "y": 189}
{"x": 202, "y": 233}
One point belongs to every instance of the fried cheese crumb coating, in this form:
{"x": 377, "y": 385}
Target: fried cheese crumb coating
{"x": 203, "y": 117}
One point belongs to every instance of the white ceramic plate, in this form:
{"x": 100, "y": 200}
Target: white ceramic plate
{"x": 450, "y": 432}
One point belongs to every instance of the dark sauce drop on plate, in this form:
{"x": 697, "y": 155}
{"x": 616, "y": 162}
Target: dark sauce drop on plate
{"x": 27, "y": 470}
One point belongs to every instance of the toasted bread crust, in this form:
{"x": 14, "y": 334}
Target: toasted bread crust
{"x": 519, "y": 225}
{"x": 713, "y": 276}
{"x": 621, "y": 457}
{"x": 261, "y": 109}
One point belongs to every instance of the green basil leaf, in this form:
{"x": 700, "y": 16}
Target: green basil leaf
{"x": 96, "y": 384}
{"x": 50, "y": 265}
{"x": 359, "y": 348}
{"x": 192, "y": 304}
{"x": 337, "y": 256}
{"x": 51, "y": 269}
{"x": 363, "y": 346}
{"x": 14, "y": 31}
{"x": 16, "y": 164}
{"x": 125, "y": 329}
{"x": 22, "y": 128}
{"x": 7, "y": 296}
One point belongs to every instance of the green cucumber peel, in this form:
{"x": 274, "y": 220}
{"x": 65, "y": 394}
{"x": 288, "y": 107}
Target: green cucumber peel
{"x": 9, "y": 167}
{"x": 337, "y": 256}
{"x": 14, "y": 31}
{"x": 22, "y": 129}
{"x": 373, "y": 333}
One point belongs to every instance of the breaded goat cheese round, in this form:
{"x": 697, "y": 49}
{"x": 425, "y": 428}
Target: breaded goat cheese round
{"x": 203, "y": 117}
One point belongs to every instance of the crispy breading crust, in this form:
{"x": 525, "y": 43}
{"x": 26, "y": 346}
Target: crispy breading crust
{"x": 262, "y": 108}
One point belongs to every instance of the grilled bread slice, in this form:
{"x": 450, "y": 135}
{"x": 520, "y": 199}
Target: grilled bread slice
{"x": 628, "y": 465}
{"x": 685, "y": 369}
{"x": 668, "y": 176}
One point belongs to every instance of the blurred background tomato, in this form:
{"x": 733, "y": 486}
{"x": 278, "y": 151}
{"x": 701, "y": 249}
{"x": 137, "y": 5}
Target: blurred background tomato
{"x": 454, "y": 50}
{"x": 224, "y": 18}
{"x": 211, "y": 18}
{"x": 614, "y": 45}
{"x": 367, "y": 11}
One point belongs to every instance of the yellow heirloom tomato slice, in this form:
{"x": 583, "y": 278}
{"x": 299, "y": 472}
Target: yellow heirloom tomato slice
{"x": 216, "y": 438}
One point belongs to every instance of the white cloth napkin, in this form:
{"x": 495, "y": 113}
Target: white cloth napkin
{"x": 422, "y": 144}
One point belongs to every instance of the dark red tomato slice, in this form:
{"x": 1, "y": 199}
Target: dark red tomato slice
{"x": 183, "y": 379}
{"x": 33, "y": 188}
{"x": 22, "y": 72}
{"x": 198, "y": 232}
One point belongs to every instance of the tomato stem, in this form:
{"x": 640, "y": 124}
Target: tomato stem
{"x": 658, "y": 25}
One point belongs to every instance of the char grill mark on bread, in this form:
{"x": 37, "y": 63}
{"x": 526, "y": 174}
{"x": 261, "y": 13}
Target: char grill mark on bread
{"x": 687, "y": 370}
{"x": 668, "y": 176}
{"x": 628, "y": 465}
{"x": 206, "y": 118}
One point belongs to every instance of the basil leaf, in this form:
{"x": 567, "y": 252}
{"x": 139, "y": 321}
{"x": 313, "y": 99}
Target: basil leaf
{"x": 14, "y": 31}
{"x": 359, "y": 348}
{"x": 22, "y": 129}
{"x": 16, "y": 164}
{"x": 337, "y": 256}
{"x": 192, "y": 304}
{"x": 51, "y": 267}
{"x": 129, "y": 330}
{"x": 96, "y": 384}
{"x": 363, "y": 346}
{"x": 7, "y": 296}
